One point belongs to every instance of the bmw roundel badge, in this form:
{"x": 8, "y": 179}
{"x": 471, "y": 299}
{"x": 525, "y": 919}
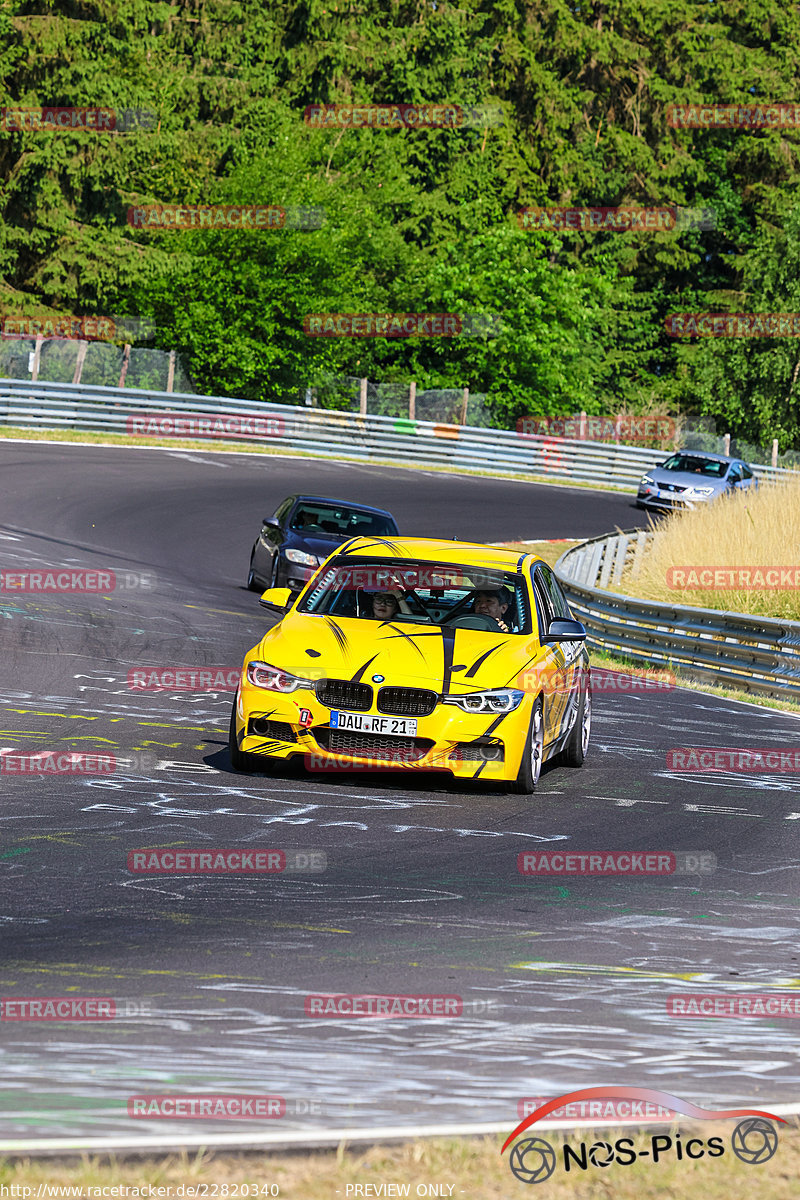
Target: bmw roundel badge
{"x": 378, "y": 678}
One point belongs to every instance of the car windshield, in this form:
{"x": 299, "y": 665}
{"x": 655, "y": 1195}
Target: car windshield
{"x": 696, "y": 464}
{"x": 429, "y": 593}
{"x": 340, "y": 520}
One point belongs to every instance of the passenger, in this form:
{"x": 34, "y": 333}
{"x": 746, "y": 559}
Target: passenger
{"x": 493, "y": 603}
{"x": 385, "y": 606}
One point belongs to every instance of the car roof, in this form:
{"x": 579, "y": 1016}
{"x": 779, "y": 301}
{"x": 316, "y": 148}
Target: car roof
{"x": 728, "y": 458}
{"x": 337, "y": 500}
{"x": 437, "y": 550}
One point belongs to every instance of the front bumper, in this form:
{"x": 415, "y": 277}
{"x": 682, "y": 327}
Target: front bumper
{"x": 466, "y": 745}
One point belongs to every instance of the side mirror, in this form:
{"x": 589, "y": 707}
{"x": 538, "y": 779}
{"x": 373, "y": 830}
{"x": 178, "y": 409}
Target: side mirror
{"x": 271, "y": 522}
{"x": 276, "y": 599}
{"x": 561, "y": 630}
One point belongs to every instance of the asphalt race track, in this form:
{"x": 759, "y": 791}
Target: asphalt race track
{"x": 564, "y": 981}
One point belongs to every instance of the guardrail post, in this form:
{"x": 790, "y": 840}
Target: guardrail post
{"x": 464, "y": 403}
{"x": 82, "y": 348}
{"x": 726, "y": 444}
{"x": 774, "y": 452}
{"x": 412, "y": 400}
{"x": 126, "y": 358}
{"x": 37, "y": 355}
{"x": 171, "y": 371}
{"x": 362, "y": 398}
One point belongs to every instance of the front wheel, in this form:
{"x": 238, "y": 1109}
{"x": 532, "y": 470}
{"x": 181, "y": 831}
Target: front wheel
{"x": 252, "y": 586}
{"x": 531, "y": 765}
{"x": 239, "y": 760}
{"x": 574, "y": 751}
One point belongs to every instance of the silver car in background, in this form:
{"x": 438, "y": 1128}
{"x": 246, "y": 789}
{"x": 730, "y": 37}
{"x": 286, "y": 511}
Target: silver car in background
{"x": 691, "y": 477}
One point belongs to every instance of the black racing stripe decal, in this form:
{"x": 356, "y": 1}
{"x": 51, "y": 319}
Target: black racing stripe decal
{"x": 479, "y": 661}
{"x": 379, "y": 543}
{"x": 513, "y": 681}
{"x": 313, "y": 653}
{"x": 360, "y": 672}
{"x": 338, "y": 633}
{"x": 448, "y": 650}
{"x": 409, "y": 637}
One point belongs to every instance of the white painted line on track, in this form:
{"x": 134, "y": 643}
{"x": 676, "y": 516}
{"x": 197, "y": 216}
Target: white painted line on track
{"x": 312, "y": 1139}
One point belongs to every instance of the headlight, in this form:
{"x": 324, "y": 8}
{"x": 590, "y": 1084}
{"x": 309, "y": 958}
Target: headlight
{"x": 502, "y": 700}
{"x": 300, "y": 556}
{"x": 274, "y": 679}
{"x": 647, "y": 479}
{"x": 694, "y": 493}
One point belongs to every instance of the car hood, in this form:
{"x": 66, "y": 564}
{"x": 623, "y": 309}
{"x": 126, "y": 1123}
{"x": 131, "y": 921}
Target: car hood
{"x": 321, "y": 544}
{"x": 426, "y": 656}
{"x": 685, "y": 478}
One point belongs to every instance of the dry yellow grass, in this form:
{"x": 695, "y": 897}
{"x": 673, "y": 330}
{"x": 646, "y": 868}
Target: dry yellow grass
{"x": 472, "y": 1167}
{"x": 760, "y": 528}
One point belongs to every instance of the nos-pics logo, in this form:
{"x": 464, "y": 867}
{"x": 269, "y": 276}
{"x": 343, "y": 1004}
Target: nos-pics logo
{"x": 533, "y": 1160}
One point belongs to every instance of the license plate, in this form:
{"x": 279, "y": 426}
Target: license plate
{"x": 367, "y": 723}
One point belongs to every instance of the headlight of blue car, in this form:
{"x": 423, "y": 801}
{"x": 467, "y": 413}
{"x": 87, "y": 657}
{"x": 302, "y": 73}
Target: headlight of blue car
{"x": 300, "y": 556}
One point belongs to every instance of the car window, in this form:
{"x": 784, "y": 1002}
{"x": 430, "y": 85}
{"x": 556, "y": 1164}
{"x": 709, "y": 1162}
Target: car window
{"x": 746, "y": 472}
{"x": 427, "y": 593}
{"x": 340, "y": 520}
{"x": 282, "y": 511}
{"x": 544, "y": 604}
{"x": 557, "y": 597}
{"x": 735, "y": 472}
{"x": 696, "y": 464}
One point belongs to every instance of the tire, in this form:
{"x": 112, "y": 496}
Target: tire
{"x": 574, "y": 751}
{"x": 239, "y": 760}
{"x": 531, "y": 765}
{"x": 252, "y": 586}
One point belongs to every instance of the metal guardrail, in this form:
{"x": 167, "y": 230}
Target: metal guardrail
{"x": 327, "y": 434}
{"x": 756, "y": 654}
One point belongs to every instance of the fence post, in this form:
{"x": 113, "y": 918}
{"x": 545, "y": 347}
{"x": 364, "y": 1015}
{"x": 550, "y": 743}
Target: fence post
{"x": 126, "y": 358}
{"x": 362, "y": 399}
{"x": 171, "y": 371}
{"x": 583, "y": 427}
{"x": 82, "y": 348}
{"x": 412, "y": 400}
{"x": 726, "y": 444}
{"x": 464, "y": 403}
{"x": 37, "y": 354}
{"x": 774, "y": 452}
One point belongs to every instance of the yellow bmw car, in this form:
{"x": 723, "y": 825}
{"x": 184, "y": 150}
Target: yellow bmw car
{"x": 420, "y": 654}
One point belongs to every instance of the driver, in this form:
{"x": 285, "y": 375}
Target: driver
{"x": 493, "y": 603}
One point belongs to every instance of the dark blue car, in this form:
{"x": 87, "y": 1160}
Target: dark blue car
{"x": 303, "y": 532}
